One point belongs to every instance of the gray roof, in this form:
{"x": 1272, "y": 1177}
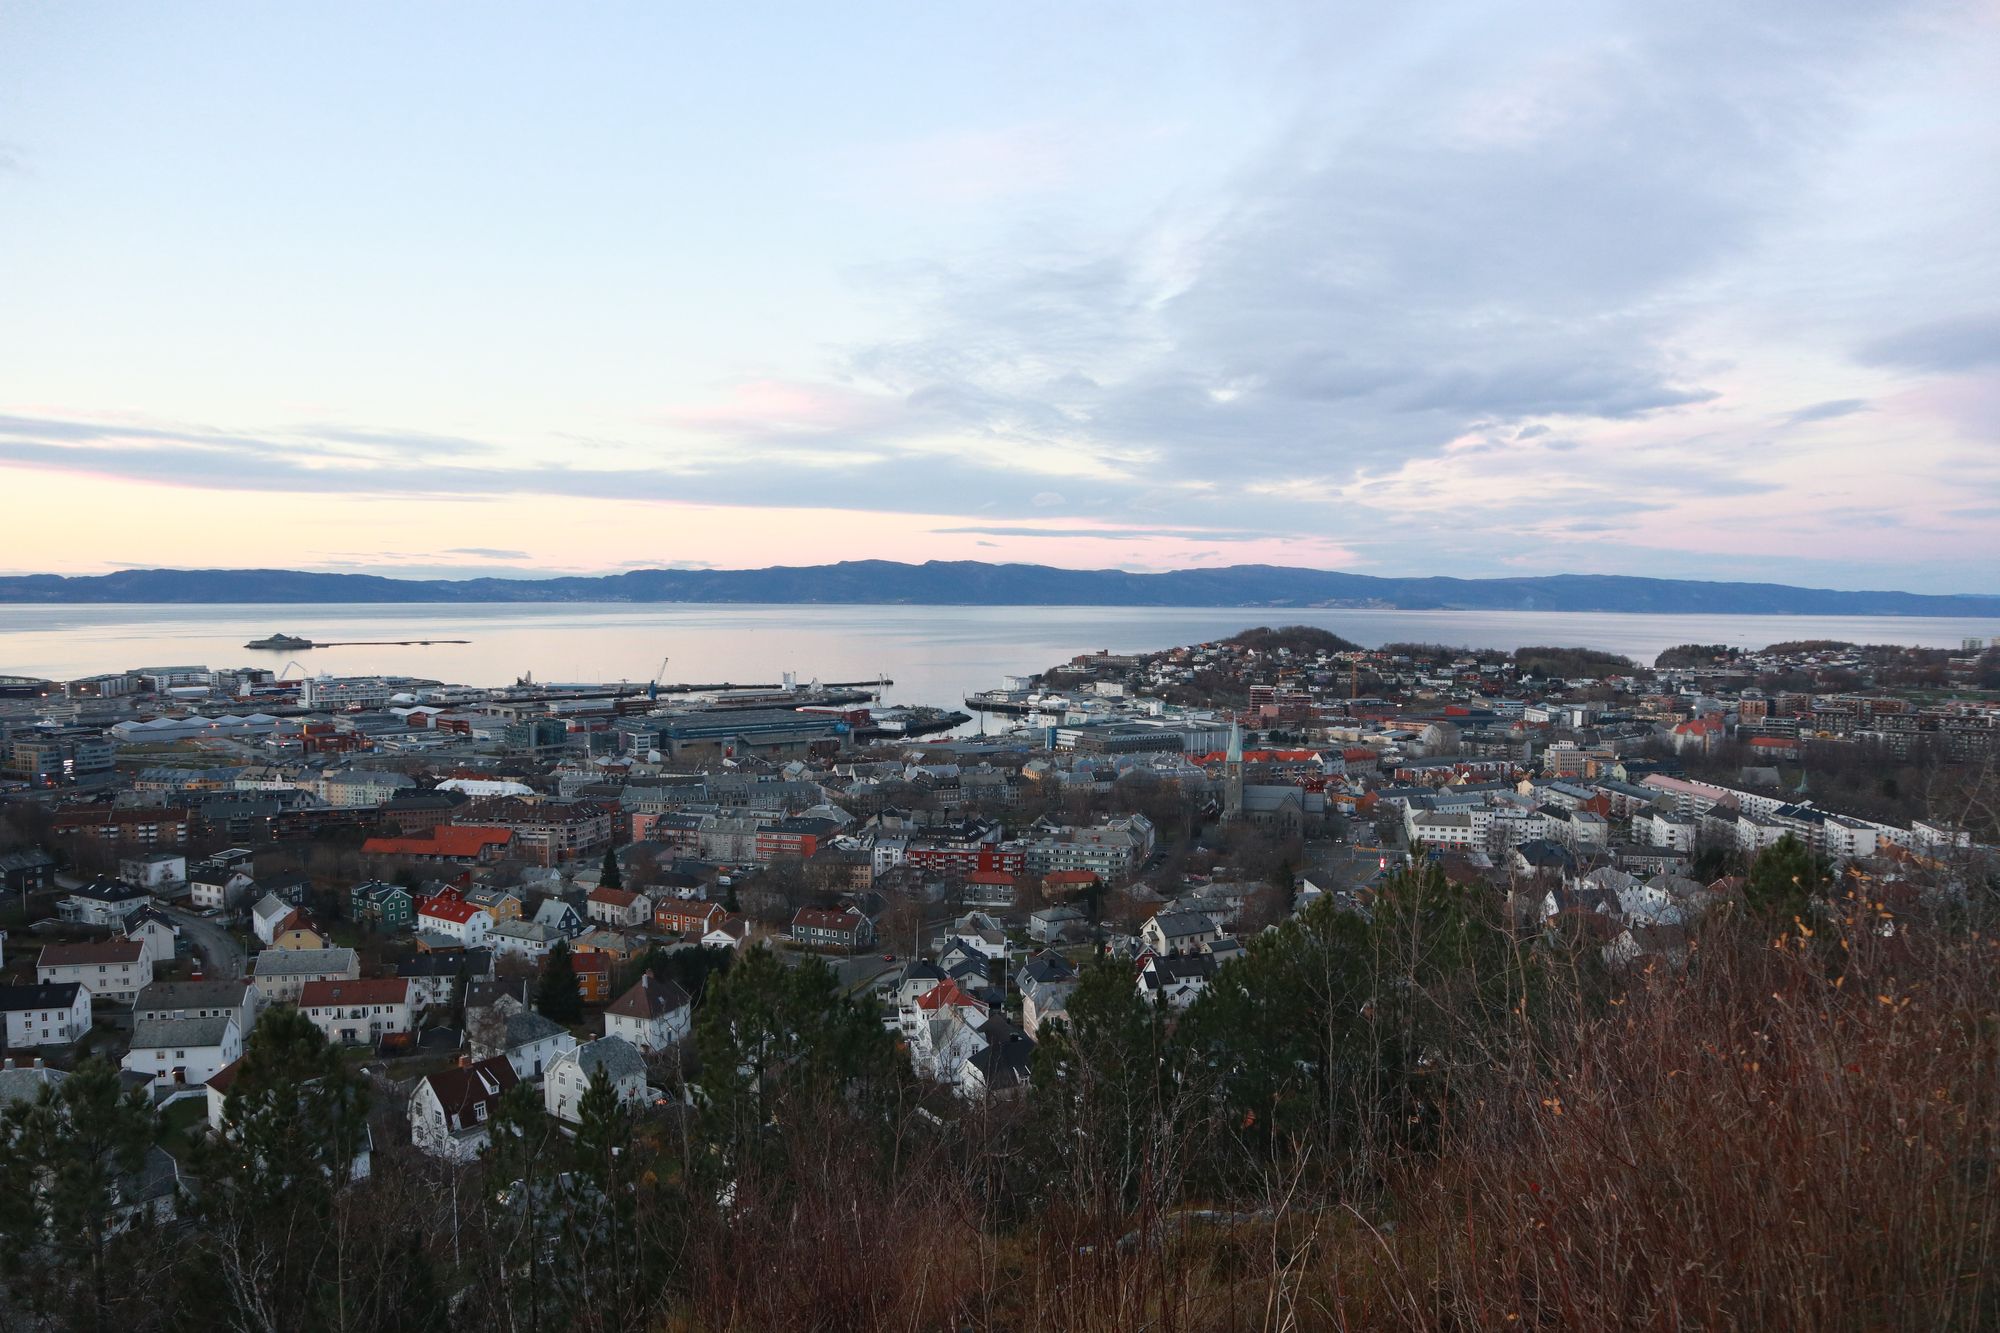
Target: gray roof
{"x": 26, "y": 1084}
{"x": 529, "y": 1026}
{"x": 153, "y": 1033}
{"x": 302, "y": 962}
{"x": 209, "y": 994}
{"x": 615, "y": 1056}
{"x": 526, "y": 930}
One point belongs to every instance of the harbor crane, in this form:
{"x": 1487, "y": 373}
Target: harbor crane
{"x": 653, "y": 687}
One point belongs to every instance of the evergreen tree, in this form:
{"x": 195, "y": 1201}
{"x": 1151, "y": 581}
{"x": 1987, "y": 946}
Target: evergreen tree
{"x": 1783, "y": 880}
{"x": 776, "y": 1042}
{"x": 558, "y": 997}
{"x": 295, "y": 1121}
{"x": 62, "y": 1160}
{"x": 611, "y": 877}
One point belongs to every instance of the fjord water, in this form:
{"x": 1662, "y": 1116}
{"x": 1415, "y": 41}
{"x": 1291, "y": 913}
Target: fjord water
{"x": 935, "y": 654}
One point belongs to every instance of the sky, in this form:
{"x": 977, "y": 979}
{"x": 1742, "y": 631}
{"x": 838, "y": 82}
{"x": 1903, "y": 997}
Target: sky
{"x": 1703, "y": 290}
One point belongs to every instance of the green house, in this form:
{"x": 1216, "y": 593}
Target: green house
{"x": 387, "y": 906}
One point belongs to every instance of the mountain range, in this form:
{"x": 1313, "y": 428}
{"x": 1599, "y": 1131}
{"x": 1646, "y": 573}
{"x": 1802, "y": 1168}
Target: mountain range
{"x": 971, "y": 582}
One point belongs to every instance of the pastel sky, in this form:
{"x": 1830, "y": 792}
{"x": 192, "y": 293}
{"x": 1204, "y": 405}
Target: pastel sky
{"x": 1699, "y": 289}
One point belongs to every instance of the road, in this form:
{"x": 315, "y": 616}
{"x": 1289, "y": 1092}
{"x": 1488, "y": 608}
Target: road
{"x": 222, "y": 957}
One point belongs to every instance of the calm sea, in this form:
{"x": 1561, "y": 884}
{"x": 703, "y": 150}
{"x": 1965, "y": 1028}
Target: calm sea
{"x": 935, "y": 654}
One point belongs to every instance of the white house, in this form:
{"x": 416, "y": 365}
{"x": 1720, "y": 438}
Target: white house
{"x": 450, "y": 915}
{"x": 268, "y": 917}
{"x": 528, "y": 1041}
{"x": 1167, "y": 931}
{"x": 352, "y": 1013}
{"x": 451, "y": 1111}
{"x": 619, "y": 908}
{"x": 217, "y": 888}
{"x": 113, "y": 969}
{"x": 433, "y": 977}
{"x": 223, "y": 998}
{"x": 156, "y": 933}
{"x": 183, "y": 1051}
{"x": 153, "y": 871}
{"x": 653, "y": 1015}
{"x": 524, "y": 939}
{"x": 51, "y": 1015}
{"x": 570, "y": 1074}
{"x": 1176, "y": 981}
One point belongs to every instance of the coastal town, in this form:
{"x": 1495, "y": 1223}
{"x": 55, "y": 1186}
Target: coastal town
{"x": 476, "y": 896}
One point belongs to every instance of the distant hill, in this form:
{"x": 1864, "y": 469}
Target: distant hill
{"x": 971, "y": 582}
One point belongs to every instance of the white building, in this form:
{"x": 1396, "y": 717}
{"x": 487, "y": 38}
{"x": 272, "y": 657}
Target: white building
{"x": 153, "y": 871}
{"x": 183, "y": 1051}
{"x": 570, "y": 1074}
{"x": 451, "y": 1111}
{"x": 113, "y": 969}
{"x": 353, "y": 1013}
{"x": 450, "y": 915}
{"x": 268, "y": 917}
{"x": 653, "y": 1015}
{"x": 45, "y": 1015}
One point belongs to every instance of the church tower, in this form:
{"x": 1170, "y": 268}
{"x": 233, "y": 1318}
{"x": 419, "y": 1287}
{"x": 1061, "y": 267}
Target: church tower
{"x": 1232, "y": 774}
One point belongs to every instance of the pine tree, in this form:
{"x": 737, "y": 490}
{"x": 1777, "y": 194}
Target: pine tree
{"x": 611, "y": 877}
{"x": 558, "y": 997}
{"x": 62, "y": 1159}
{"x": 1783, "y": 880}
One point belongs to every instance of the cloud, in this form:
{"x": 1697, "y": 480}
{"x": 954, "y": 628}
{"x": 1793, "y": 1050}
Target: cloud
{"x": 488, "y": 552}
{"x": 1115, "y": 534}
{"x": 1047, "y": 499}
{"x": 1828, "y": 411}
{"x": 1967, "y": 342}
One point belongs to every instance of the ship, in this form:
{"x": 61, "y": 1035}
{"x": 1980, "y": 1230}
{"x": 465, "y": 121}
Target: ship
{"x": 286, "y": 642}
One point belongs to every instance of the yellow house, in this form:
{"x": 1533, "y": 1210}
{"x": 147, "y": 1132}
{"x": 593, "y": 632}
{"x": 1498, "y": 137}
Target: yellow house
{"x": 299, "y": 937}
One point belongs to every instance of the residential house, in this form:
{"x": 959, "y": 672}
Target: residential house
{"x": 451, "y": 1111}
{"x": 154, "y": 871}
{"x": 1169, "y": 931}
{"x": 300, "y": 933}
{"x": 530, "y": 1042}
{"x": 351, "y": 1013}
{"x": 620, "y": 908}
{"x": 26, "y": 1080}
{"x": 593, "y": 976}
{"x": 504, "y": 904}
{"x": 388, "y": 907}
{"x": 236, "y": 998}
{"x": 653, "y": 1015}
{"x": 268, "y": 917}
{"x": 44, "y": 1015}
{"x": 26, "y": 872}
{"x": 999, "y": 1067}
{"x": 1046, "y": 982}
{"x": 115, "y": 969}
{"x": 832, "y": 928}
{"x": 559, "y": 916}
{"x": 449, "y": 915}
{"x": 282, "y": 974}
{"x": 570, "y": 1075}
{"x": 434, "y": 977}
{"x": 1059, "y": 925}
{"x": 103, "y": 902}
{"x": 1175, "y": 981}
{"x": 183, "y": 1052}
{"x": 731, "y": 932}
{"x": 157, "y": 932}
{"x": 684, "y": 917}
{"x": 215, "y": 887}
{"x": 523, "y": 939}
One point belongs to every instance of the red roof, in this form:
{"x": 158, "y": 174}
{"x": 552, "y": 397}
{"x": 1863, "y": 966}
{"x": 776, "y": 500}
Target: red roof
{"x": 90, "y": 953}
{"x": 613, "y": 897}
{"x": 373, "y": 990}
{"x": 989, "y": 877}
{"x": 443, "y": 840}
{"x": 826, "y": 918}
{"x": 448, "y": 907}
{"x": 946, "y": 994}
{"x": 1059, "y": 879}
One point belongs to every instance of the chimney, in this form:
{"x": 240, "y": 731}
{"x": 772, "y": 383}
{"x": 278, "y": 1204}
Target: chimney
{"x": 38, "y": 1062}
{"x": 465, "y": 1062}
{"x": 9, "y": 1063}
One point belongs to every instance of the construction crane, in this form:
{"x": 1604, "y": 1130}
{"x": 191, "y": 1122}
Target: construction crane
{"x": 653, "y": 687}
